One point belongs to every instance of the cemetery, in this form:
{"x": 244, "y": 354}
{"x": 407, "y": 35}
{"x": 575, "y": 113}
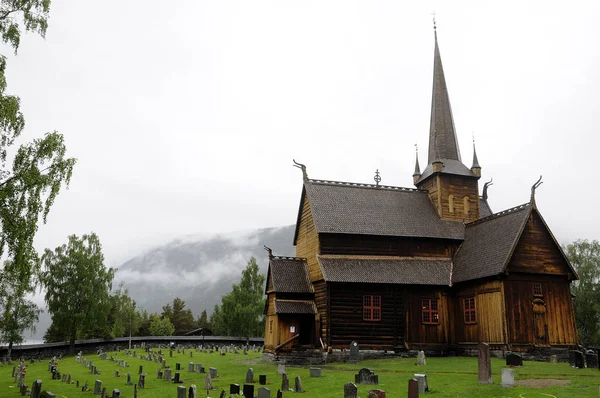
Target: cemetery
{"x": 157, "y": 371}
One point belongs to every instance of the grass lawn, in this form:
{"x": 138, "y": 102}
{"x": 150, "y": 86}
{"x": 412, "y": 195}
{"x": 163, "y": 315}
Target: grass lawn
{"x": 448, "y": 377}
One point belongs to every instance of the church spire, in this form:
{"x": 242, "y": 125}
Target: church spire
{"x": 417, "y": 173}
{"x": 442, "y": 135}
{"x": 475, "y": 168}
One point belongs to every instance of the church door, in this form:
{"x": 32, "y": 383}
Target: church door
{"x": 540, "y": 324}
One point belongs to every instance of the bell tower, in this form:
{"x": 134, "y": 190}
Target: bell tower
{"x": 452, "y": 186}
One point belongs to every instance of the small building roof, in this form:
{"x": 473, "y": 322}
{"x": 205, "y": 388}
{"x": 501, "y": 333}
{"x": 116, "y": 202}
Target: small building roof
{"x": 484, "y": 208}
{"x": 289, "y": 275}
{"x": 392, "y": 270}
{"x": 295, "y": 307}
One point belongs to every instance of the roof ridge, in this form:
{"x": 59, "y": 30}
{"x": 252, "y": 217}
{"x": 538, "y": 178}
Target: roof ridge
{"x": 288, "y": 258}
{"x": 361, "y": 185}
{"x": 499, "y": 214}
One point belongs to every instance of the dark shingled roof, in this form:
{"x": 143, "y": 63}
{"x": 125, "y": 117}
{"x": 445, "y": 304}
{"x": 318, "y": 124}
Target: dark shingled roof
{"x": 347, "y": 208}
{"x": 290, "y": 275}
{"x": 295, "y": 307}
{"x": 484, "y": 208}
{"x": 489, "y": 243}
{"x": 450, "y": 166}
{"x": 408, "y": 271}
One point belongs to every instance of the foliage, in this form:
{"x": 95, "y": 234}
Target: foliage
{"x": 585, "y": 257}
{"x": 77, "y": 285}
{"x": 241, "y": 310}
{"x": 202, "y": 321}
{"x": 161, "y": 327}
{"x": 33, "y": 13}
{"x": 54, "y": 335}
{"x": 181, "y": 318}
{"x": 123, "y": 317}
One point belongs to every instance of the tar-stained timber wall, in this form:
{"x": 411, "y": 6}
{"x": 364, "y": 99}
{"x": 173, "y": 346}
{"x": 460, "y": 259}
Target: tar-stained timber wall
{"x": 420, "y": 335}
{"x": 539, "y": 320}
{"x": 346, "y": 316}
{"x": 490, "y": 321}
{"x": 307, "y": 242}
{"x": 441, "y": 187}
{"x": 385, "y": 246}
{"x": 321, "y": 319}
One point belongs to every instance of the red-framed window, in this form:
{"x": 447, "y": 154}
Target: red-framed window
{"x": 469, "y": 313}
{"x": 430, "y": 313}
{"x": 371, "y": 308}
{"x": 537, "y": 289}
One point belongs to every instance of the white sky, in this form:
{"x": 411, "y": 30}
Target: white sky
{"x": 185, "y": 116}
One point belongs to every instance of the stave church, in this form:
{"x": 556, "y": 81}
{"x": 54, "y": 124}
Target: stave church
{"x": 430, "y": 267}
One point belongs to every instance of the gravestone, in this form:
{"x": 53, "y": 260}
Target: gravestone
{"x": 116, "y": 372}
{"x": 141, "y": 369}
{"x": 285, "y": 382}
{"x": 350, "y": 390}
{"x": 315, "y": 372}
{"x": 129, "y": 379}
{"x": 223, "y": 394}
{"x": 553, "y": 359}
{"x": 192, "y": 391}
{"x": 421, "y": 358}
{"x": 98, "y": 387}
{"x": 208, "y": 382}
{"x": 116, "y": 393}
{"x": 413, "y": 388}
{"x": 177, "y": 366}
{"x": 280, "y": 369}
{"x": 508, "y": 378}
{"x": 279, "y": 394}
{"x": 64, "y": 378}
{"x": 103, "y": 394}
{"x": 159, "y": 374}
{"x": 199, "y": 368}
{"x": 484, "y": 364}
{"x": 142, "y": 381}
{"x": 191, "y": 366}
{"x": 354, "y": 352}
{"x": 576, "y": 359}
{"x": 164, "y": 363}
{"x": 36, "y": 389}
{"x": 591, "y": 359}
{"x": 262, "y": 380}
{"x": 14, "y": 371}
{"x": 181, "y": 390}
{"x": 69, "y": 378}
{"x": 264, "y": 392}
{"x": 298, "y": 384}
{"x": 377, "y": 394}
{"x": 366, "y": 376}
{"x": 248, "y": 390}
{"x": 234, "y": 389}
{"x": 168, "y": 374}
{"x": 513, "y": 359}
{"x": 177, "y": 378}
{"x": 250, "y": 376}
{"x": 423, "y": 384}
{"x": 213, "y": 372}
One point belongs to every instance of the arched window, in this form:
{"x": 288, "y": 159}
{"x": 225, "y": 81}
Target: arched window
{"x": 451, "y": 203}
{"x": 466, "y": 204}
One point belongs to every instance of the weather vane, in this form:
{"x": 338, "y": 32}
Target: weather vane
{"x": 377, "y": 177}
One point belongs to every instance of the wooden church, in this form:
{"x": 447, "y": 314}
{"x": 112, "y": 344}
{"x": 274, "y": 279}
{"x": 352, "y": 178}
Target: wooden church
{"x": 430, "y": 267}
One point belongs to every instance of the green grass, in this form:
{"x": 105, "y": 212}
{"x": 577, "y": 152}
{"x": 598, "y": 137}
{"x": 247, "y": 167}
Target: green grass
{"x": 448, "y": 377}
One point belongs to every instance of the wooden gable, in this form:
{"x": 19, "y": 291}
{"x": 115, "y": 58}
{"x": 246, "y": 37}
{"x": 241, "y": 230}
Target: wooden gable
{"x": 307, "y": 239}
{"x": 537, "y": 252}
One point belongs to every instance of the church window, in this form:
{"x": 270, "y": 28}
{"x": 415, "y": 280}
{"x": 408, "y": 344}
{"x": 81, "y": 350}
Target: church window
{"x": 371, "y": 308}
{"x": 451, "y": 203}
{"x": 537, "y": 289}
{"x": 470, "y": 315}
{"x": 466, "y": 204}
{"x": 430, "y": 311}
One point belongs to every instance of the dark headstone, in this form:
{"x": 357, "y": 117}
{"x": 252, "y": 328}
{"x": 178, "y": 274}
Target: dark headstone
{"x": 177, "y": 378}
{"x": 285, "y": 382}
{"x": 248, "y": 390}
{"x": 354, "y": 352}
{"x": 591, "y": 358}
{"x": 142, "y": 381}
{"x": 223, "y": 394}
{"x": 513, "y": 359}
{"x": 141, "y": 369}
{"x": 181, "y": 390}
{"x": 576, "y": 359}
{"x": 298, "y": 384}
{"x": 315, "y": 372}
{"x": 36, "y": 389}
{"x": 350, "y": 390}
{"x": 484, "y": 364}
{"x": 366, "y": 376}
{"x": 413, "y": 388}
{"x": 116, "y": 393}
{"x": 234, "y": 389}
{"x": 279, "y": 394}
{"x": 262, "y": 380}
{"x": 98, "y": 387}
{"x": 177, "y": 366}
{"x": 250, "y": 376}
{"x": 192, "y": 391}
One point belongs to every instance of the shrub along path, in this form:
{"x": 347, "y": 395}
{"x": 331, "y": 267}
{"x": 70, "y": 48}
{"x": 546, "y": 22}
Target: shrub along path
{"x": 448, "y": 377}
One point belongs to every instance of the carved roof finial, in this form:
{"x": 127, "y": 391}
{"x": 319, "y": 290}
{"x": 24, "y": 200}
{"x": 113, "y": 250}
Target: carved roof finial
{"x": 301, "y": 167}
{"x": 377, "y": 177}
{"x": 270, "y": 252}
{"x": 533, "y": 188}
{"x": 485, "y": 188}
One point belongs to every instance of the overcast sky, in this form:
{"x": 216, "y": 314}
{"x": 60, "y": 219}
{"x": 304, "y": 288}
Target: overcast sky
{"x": 185, "y": 116}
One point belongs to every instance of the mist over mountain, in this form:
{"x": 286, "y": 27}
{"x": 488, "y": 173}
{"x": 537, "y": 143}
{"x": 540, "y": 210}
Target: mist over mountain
{"x": 199, "y": 269}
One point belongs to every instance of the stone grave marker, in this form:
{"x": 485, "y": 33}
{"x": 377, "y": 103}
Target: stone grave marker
{"x": 116, "y": 393}
{"x": 377, "y": 393}
{"x": 250, "y": 376}
{"x": 484, "y": 364}
{"x": 177, "y": 366}
{"x": 264, "y": 392}
{"x": 36, "y": 389}
{"x": 350, "y": 390}
{"x": 14, "y": 371}
{"x": 576, "y": 359}
{"x": 513, "y": 359}
{"x": 142, "y": 381}
{"x": 553, "y": 359}
{"x": 279, "y": 394}
{"x": 508, "y": 378}
{"x": 191, "y": 366}
{"x": 159, "y": 374}
{"x": 192, "y": 391}
{"x": 280, "y": 369}
{"x": 141, "y": 369}
{"x": 262, "y": 380}
{"x": 164, "y": 363}
{"x": 413, "y": 388}
{"x": 423, "y": 384}
{"x": 354, "y": 352}
{"x": 421, "y": 358}
{"x": 98, "y": 387}
{"x": 199, "y": 368}
{"x": 315, "y": 372}
{"x": 298, "y": 384}
{"x": 234, "y": 389}
{"x": 168, "y": 374}
{"x": 177, "y": 378}
{"x": 129, "y": 379}
{"x": 181, "y": 392}
{"x": 366, "y": 376}
{"x": 285, "y": 382}
{"x": 248, "y": 390}
{"x": 591, "y": 359}
{"x": 103, "y": 394}
{"x": 116, "y": 372}
{"x": 63, "y": 378}
{"x": 208, "y": 382}
{"x": 213, "y": 372}
{"x": 223, "y": 394}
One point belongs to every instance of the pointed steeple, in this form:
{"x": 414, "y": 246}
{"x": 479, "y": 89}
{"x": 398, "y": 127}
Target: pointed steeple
{"x": 475, "y": 168}
{"x": 442, "y": 135}
{"x": 417, "y": 173}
